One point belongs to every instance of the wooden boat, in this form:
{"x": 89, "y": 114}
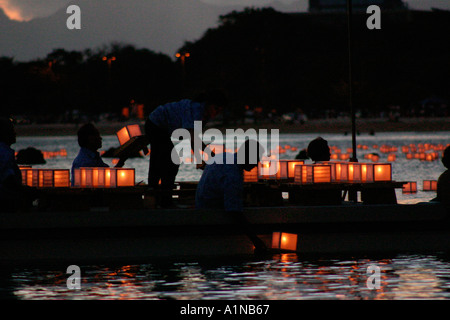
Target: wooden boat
{"x": 76, "y": 235}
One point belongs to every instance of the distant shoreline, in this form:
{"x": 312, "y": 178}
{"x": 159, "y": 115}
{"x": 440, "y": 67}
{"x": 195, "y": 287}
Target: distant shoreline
{"x": 312, "y": 126}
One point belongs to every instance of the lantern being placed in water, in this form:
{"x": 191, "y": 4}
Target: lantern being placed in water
{"x": 284, "y": 241}
{"x": 128, "y": 132}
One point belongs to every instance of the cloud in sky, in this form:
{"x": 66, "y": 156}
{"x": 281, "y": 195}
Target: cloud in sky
{"x": 26, "y": 10}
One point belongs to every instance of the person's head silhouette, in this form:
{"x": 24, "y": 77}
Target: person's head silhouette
{"x": 446, "y": 158}
{"x": 318, "y": 150}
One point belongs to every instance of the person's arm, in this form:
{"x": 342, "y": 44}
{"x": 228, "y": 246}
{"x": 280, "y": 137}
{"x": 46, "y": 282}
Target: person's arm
{"x": 196, "y": 142}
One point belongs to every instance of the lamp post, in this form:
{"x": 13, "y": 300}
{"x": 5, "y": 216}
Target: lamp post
{"x": 350, "y": 78}
{"x": 109, "y": 61}
{"x": 182, "y": 56}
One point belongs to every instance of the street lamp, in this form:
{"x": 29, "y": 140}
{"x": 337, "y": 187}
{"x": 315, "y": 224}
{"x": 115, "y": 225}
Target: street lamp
{"x": 182, "y": 56}
{"x": 109, "y": 60}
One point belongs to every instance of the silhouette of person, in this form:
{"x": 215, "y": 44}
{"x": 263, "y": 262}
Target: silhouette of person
{"x": 13, "y": 195}
{"x": 318, "y": 150}
{"x": 221, "y": 185}
{"x": 90, "y": 141}
{"x": 302, "y": 155}
{"x": 160, "y": 125}
{"x": 443, "y": 183}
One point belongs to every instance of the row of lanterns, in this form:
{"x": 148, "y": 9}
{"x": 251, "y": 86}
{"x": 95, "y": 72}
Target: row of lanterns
{"x": 323, "y": 172}
{"x": 411, "y": 187}
{"x": 83, "y": 177}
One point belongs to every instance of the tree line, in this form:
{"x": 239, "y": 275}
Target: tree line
{"x": 264, "y": 59}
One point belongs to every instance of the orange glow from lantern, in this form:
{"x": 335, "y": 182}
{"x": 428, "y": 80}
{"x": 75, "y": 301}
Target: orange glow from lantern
{"x": 410, "y": 187}
{"x": 382, "y": 172}
{"x": 354, "y": 172}
{"x": 391, "y": 157}
{"x": 284, "y": 241}
{"x": 312, "y": 173}
{"x": 128, "y": 132}
{"x": 429, "y": 185}
{"x": 366, "y": 172}
{"x": 251, "y": 176}
{"x": 61, "y": 178}
{"x": 125, "y": 177}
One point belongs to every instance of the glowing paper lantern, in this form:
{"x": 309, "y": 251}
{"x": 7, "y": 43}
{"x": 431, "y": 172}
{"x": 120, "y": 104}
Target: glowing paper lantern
{"x": 251, "y": 176}
{"x": 128, "y": 132}
{"x": 391, "y": 157}
{"x": 104, "y": 177}
{"x": 366, "y": 172}
{"x": 382, "y": 172}
{"x": 32, "y": 179}
{"x": 312, "y": 173}
{"x": 284, "y": 241}
{"x": 291, "y": 167}
{"x": 354, "y": 172}
{"x": 410, "y": 187}
{"x": 46, "y": 178}
{"x": 61, "y": 178}
{"x": 429, "y": 185}
{"x": 125, "y": 177}
{"x": 270, "y": 170}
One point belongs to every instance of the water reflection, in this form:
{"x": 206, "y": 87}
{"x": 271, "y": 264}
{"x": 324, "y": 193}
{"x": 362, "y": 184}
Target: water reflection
{"x": 280, "y": 277}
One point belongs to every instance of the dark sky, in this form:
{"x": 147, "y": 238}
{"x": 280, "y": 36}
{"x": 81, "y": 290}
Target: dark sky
{"x": 32, "y": 28}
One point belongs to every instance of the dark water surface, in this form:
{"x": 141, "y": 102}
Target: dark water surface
{"x": 274, "y": 277}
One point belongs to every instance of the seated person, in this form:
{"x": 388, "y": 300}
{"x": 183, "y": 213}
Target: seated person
{"x": 443, "y": 184}
{"x": 90, "y": 141}
{"x": 221, "y": 185}
{"x": 318, "y": 150}
{"x": 13, "y": 195}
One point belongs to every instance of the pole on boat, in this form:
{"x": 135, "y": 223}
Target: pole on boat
{"x": 350, "y": 77}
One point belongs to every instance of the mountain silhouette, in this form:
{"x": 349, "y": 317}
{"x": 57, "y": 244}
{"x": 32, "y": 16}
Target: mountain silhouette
{"x": 161, "y": 26}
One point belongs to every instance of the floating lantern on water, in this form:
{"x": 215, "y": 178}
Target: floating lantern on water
{"x": 429, "y": 185}
{"x": 410, "y": 187}
{"x": 284, "y": 241}
{"x": 391, "y": 157}
{"x": 312, "y": 173}
{"x": 104, "y": 177}
{"x": 128, "y": 132}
